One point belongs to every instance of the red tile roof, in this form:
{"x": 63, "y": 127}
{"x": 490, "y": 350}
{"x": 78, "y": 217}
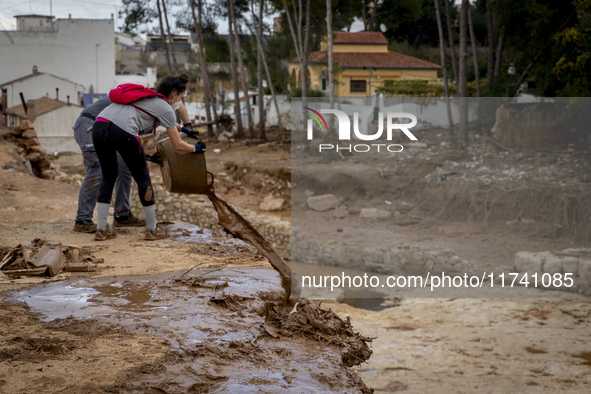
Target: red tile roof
{"x": 391, "y": 60}
{"x": 42, "y": 106}
{"x": 362, "y": 37}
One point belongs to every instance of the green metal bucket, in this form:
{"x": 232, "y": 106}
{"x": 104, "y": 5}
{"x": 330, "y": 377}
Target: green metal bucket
{"x": 184, "y": 172}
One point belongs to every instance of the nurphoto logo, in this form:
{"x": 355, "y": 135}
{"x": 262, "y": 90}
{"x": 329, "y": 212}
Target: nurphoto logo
{"x": 392, "y": 119}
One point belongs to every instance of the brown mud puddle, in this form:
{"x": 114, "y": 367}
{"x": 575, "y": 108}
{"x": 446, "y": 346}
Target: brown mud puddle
{"x": 224, "y": 332}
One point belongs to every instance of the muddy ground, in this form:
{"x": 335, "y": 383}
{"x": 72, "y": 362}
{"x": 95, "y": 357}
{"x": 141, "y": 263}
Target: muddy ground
{"x": 420, "y": 345}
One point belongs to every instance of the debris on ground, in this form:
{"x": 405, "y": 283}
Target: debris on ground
{"x": 323, "y": 325}
{"x": 49, "y": 258}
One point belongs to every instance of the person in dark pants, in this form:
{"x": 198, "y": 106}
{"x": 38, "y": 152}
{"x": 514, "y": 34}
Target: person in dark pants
{"x": 90, "y": 185}
{"x": 117, "y": 129}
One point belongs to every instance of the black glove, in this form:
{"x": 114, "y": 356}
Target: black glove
{"x": 155, "y": 158}
{"x": 191, "y": 133}
{"x": 199, "y": 147}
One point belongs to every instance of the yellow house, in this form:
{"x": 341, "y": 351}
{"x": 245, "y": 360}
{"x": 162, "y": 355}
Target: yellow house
{"x": 363, "y": 64}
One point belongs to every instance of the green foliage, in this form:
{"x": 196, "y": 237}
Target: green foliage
{"x": 546, "y": 31}
{"x": 482, "y": 68}
{"x": 416, "y": 88}
{"x": 137, "y": 14}
{"x": 217, "y": 49}
{"x": 420, "y": 88}
{"x": 297, "y": 92}
{"x": 396, "y": 13}
{"x": 430, "y": 54}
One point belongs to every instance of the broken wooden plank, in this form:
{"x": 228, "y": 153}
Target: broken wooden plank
{"x": 80, "y": 267}
{"x": 34, "y": 271}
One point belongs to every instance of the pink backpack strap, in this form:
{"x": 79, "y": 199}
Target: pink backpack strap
{"x": 146, "y": 112}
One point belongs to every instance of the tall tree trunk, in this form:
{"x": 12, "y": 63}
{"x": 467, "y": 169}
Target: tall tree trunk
{"x": 261, "y": 92}
{"x": 499, "y": 54}
{"x": 462, "y": 91}
{"x": 474, "y": 54}
{"x": 301, "y": 45}
{"x": 330, "y": 60}
{"x": 170, "y": 40}
{"x": 305, "y": 60}
{"x": 259, "y": 37}
{"x": 444, "y": 68}
{"x": 209, "y": 100}
{"x": 242, "y": 70}
{"x": 237, "y": 112}
{"x": 523, "y": 76}
{"x": 452, "y": 45}
{"x": 373, "y": 18}
{"x": 490, "y": 78}
{"x": 163, "y": 37}
{"x": 364, "y": 15}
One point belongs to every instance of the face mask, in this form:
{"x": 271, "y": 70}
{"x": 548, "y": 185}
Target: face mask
{"x": 176, "y": 105}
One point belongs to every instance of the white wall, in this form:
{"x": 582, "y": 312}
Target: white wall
{"x": 54, "y": 129}
{"x": 148, "y": 80}
{"x": 68, "y": 52}
{"x": 35, "y": 23}
{"x": 40, "y": 85}
{"x": 198, "y": 110}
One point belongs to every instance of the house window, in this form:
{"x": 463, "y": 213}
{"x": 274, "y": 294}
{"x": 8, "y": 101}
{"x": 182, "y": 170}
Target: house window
{"x": 323, "y": 83}
{"x": 358, "y": 86}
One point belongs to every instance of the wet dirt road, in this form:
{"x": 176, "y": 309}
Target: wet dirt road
{"x": 212, "y": 321}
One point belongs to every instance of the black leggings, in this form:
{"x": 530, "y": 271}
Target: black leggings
{"x": 109, "y": 139}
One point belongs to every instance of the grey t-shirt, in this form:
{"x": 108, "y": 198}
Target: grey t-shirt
{"x": 137, "y": 122}
{"x": 96, "y": 108}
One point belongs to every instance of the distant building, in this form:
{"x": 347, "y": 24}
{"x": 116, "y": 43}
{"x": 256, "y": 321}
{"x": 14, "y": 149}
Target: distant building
{"x": 185, "y": 49}
{"x": 364, "y": 63}
{"x": 80, "y": 50}
{"x": 53, "y": 119}
{"x": 34, "y": 22}
{"x": 131, "y": 57}
{"x": 39, "y": 84}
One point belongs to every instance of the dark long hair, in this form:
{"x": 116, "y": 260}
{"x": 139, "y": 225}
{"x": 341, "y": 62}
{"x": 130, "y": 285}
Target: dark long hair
{"x": 171, "y": 84}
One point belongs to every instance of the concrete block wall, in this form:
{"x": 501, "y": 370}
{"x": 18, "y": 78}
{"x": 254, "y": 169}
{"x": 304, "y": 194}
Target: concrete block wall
{"x": 392, "y": 259}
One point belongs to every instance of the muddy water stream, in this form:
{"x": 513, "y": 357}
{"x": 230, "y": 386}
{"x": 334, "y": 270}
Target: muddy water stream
{"x": 233, "y": 222}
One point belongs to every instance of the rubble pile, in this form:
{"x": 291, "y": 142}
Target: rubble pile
{"x": 33, "y": 152}
{"x": 49, "y": 258}
{"x": 321, "y": 324}
{"x": 488, "y": 162}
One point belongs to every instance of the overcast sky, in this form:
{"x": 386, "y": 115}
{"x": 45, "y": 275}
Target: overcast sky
{"x": 85, "y": 9}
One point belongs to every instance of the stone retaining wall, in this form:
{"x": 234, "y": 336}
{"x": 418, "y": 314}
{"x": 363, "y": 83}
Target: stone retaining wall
{"x": 198, "y": 210}
{"x": 400, "y": 259}
{"x": 575, "y": 261}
